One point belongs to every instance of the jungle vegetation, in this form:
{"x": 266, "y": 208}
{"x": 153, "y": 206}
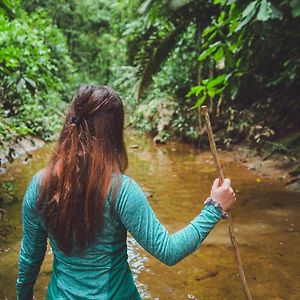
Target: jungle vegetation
{"x": 165, "y": 58}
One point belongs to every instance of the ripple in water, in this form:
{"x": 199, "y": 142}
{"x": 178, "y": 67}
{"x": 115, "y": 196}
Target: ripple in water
{"x": 136, "y": 262}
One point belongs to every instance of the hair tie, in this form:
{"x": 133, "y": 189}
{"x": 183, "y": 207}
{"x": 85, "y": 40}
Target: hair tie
{"x": 76, "y": 120}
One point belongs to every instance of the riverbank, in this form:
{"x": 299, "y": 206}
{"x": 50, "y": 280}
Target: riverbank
{"x": 263, "y": 163}
{"x": 12, "y": 150}
{"x": 277, "y": 166}
{"x": 267, "y": 163}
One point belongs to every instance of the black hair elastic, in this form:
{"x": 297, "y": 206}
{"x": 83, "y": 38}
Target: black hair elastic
{"x": 76, "y": 120}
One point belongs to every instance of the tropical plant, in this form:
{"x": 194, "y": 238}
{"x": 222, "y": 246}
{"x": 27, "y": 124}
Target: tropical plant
{"x": 247, "y": 58}
{"x": 36, "y": 74}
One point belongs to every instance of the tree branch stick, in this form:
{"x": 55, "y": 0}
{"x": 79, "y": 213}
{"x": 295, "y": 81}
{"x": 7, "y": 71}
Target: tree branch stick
{"x": 231, "y": 228}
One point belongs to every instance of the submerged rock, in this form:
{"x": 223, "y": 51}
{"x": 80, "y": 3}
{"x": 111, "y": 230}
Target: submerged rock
{"x": 210, "y": 274}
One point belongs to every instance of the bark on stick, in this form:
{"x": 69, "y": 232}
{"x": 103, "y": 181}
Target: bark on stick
{"x": 231, "y": 227}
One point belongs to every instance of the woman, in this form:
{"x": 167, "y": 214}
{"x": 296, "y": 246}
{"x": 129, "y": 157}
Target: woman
{"x": 84, "y": 204}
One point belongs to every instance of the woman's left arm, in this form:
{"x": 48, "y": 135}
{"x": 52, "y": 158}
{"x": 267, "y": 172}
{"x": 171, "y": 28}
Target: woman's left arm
{"x": 33, "y": 244}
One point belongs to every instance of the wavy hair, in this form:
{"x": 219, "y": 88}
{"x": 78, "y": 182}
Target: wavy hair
{"x": 78, "y": 178}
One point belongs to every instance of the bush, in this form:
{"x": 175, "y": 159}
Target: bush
{"x": 36, "y": 73}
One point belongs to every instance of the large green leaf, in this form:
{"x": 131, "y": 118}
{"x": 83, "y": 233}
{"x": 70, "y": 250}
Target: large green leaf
{"x": 20, "y": 85}
{"x": 211, "y": 49}
{"x": 159, "y": 55}
{"x": 216, "y": 81}
{"x": 295, "y": 5}
{"x": 208, "y": 30}
{"x": 176, "y": 4}
{"x": 265, "y": 11}
{"x": 219, "y": 54}
{"x": 6, "y": 7}
{"x": 195, "y": 90}
{"x": 200, "y": 101}
{"x": 145, "y": 6}
{"x": 247, "y": 15}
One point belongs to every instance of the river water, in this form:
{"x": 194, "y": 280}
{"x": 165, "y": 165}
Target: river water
{"x": 177, "y": 180}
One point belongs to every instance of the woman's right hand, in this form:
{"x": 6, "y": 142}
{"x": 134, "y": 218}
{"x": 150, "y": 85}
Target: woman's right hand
{"x": 223, "y": 194}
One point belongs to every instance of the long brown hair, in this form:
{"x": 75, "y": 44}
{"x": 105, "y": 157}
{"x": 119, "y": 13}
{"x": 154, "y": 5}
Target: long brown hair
{"x": 78, "y": 177}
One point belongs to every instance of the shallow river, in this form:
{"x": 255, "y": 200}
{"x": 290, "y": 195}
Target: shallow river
{"x": 177, "y": 180}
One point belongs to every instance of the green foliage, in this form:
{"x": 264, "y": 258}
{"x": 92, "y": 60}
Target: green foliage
{"x": 156, "y": 32}
{"x": 91, "y": 28}
{"x": 34, "y": 53}
{"x": 209, "y": 88}
{"x": 36, "y": 74}
{"x": 247, "y": 62}
{"x": 252, "y": 41}
{"x": 161, "y": 110}
{"x": 165, "y": 58}
{"x": 6, "y": 8}
{"x": 253, "y": 48}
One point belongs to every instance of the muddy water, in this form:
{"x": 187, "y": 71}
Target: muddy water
{"x": 177, "y": 179}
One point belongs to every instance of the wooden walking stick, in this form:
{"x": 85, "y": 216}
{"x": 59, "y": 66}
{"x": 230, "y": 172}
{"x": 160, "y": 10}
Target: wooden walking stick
{"x": 231, "y": 228}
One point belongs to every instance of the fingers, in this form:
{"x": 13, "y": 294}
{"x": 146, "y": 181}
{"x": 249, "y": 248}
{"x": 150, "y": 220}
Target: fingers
{"x": 234, "y": 196}
{"x": 233, "y": 193}
{"x": 216, "y": 184}
{"x": 226, "y": 183}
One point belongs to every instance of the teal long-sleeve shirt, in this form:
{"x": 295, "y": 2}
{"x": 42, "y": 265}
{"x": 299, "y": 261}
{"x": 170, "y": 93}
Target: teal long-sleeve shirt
{"x": 101, "y": 271}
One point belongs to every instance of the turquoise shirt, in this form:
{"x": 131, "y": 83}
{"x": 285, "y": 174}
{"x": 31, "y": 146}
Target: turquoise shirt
{"x": 102, "y": 271}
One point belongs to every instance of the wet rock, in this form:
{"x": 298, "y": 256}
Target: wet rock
{"x": 11, "y": 200}
{"x": 295, "y": 171}
{"x": 159, "y": 140}
{"x": 6, "y": 230}
{"x": 22, "y": 147}
{"x": 2, "y": 170}
{"x": 252, "y": 167}
{"x": 277, "y": 204}
{"x": 294, "y": 185}
{"x": 210, "y": 274}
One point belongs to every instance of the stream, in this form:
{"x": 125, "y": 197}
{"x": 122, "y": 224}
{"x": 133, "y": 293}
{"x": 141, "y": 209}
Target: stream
{"x": 177, "y": 179}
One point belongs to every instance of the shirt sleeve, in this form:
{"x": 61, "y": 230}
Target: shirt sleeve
{"x": 33, "y": 244}
{"x": 137, "y": 216}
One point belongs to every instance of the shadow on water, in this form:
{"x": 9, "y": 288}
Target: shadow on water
{"x": 177, "y": 180}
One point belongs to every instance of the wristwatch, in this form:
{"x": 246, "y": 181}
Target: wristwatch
{"x": 211, "y": 201}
